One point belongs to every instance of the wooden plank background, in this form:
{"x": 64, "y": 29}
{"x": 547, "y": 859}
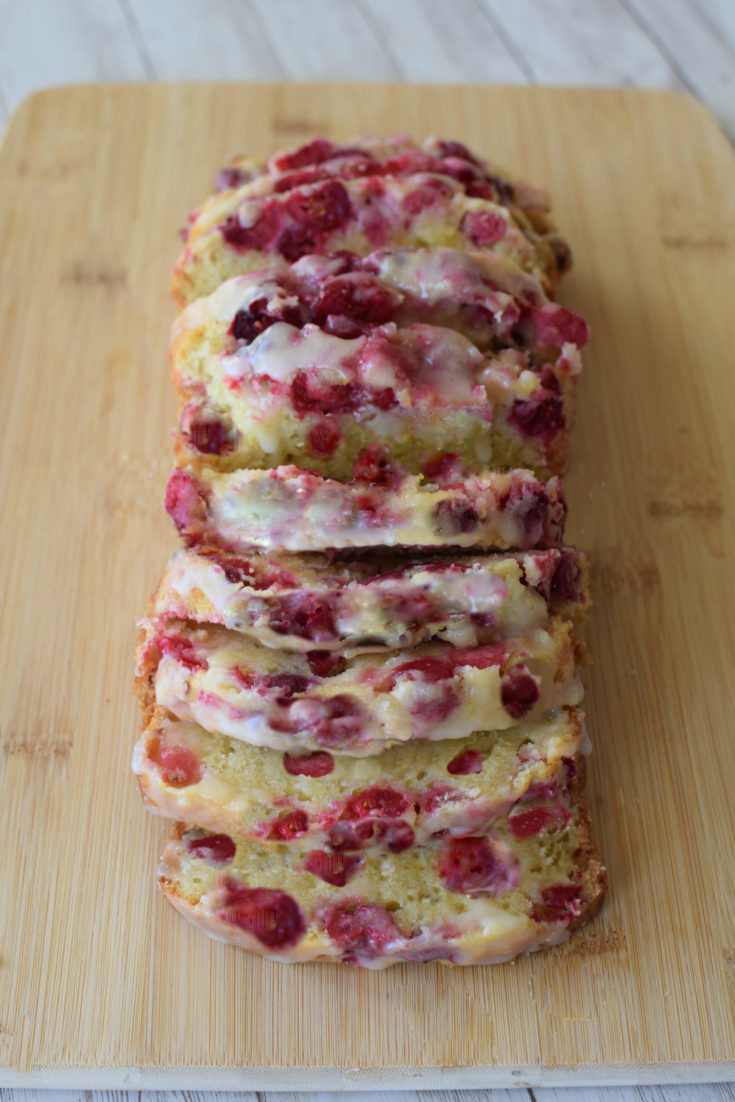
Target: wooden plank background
{"x": 649, "y": 43}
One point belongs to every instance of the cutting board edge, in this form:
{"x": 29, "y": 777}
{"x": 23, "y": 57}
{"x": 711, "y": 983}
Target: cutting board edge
{"x": 360, "y": 1079}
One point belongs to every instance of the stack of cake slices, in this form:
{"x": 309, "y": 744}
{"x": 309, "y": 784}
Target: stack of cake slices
{"x": 359, "y": 673}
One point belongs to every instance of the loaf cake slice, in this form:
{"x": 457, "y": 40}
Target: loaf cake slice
{"x": 339, "y": 357}
{"x": 393, "y": 204}
{"x": 398, "y": 155}
{"x": 354, "y": 705}
{"x": 314, "y": 602}
{"x": 294, "y": 509}
{"x": 469, "y": 900}
{"x": 392, "y": 800}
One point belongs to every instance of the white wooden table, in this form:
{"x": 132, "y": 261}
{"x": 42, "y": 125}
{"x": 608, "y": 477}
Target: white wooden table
{"x": 683, "y": 44}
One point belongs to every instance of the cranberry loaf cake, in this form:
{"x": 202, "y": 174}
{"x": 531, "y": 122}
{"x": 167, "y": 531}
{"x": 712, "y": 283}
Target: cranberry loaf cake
{"x": 460, "y": 900}
{"x": 359, "y": 672}
{"x": 359, "y": 704}
{"x": 315, "y": 603}
{"x": 393, "y": 800}
{"x": 429, "y": 359}
{"x": 361, "y": 205}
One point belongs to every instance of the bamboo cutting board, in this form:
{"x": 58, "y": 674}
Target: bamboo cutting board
{"x": 101, "y": 984}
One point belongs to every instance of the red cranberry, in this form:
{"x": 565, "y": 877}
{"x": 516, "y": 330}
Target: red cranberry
{"x": 396, "y": 836}
{"x": 182, "y": 650}
{"x": 466, "y": 762}
{"x": 445, "y": 470}
{"x": 345, "y": 836}
{"x": 484, "y": 228}
{"x": 237, "y": 570}
{"x": 325, "y": 436}
{"x": 215, "y": 849}
{"x": 334, "y": 868}
{"x": 436, "y": 797}
{"x": 472, "y": 865}
{"x": 260, "y": 234}
{"x": 230, "y": 177}
{"x": 303, "y": 178}
{"x": 456, "y": 149}
{"x": 306, "y": 616}
{"x": 355, "y": 297}
{"x": 455, "y": 516}
{"x": 360, "y": 926}
{"x": 556, "y": 326}
{"x": 541, "y": 790}
{"x": 424, "y": 196}
{"x": 288, "y": 684}
{"x": 288, "y": 827}
{"x": 325, "y": 663}
{"x": 314, "y": 212}
{"x": 211, "y": 436}
{"x": 430, "y": 667}
{"x": 272, "y": 916}
{"x": 311, "y": 153}
{"x": 565, "y": 582}
{"x": 530, "y": 823}
{"x": 374, "y": 467}
{"x": 570, "y": 766}
{"x": 559, "y": 903}
{"x": 185, "y": 503}
{"x": 376, "y": 802}
{"x": 177, "y": 765}
{"x": 538, "y": 417}
{"x": 519, "y": 691}
{"x": 318, "y": 764}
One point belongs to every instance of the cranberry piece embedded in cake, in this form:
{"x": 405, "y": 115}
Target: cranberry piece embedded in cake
{"x": 556, "y": 326}
{"x": 519, "y": 691}
{"x": 178, "y": 766}
{"x": 395, "y": 836}
{"x": 288, "y": 827}
{"x": 181, "y": 650}
{"x": 270, "y": 915}
{"x": 356, "y": 298}
{"x": 334, "y": 868}
{"x": 484, "y": 227}
{"x": 311, "y": 153}
{"x": 184, "y": 502}
{"x": 360, "y": 926}
{"x": 373, "y": 466}
{"x": 474, "y": 865}
{"x": 345, "y": 836}
{"x": 535, "y": 820}
{"x": 317, "y": 764}
{"x": 306, "y": 616}
{"x": 230, "y": 177}
{"x": 211, "y": 436}
{"x": 565, "y": 582}
{"x": 538, "y": 417}
{"x": 559, "y": 903}
{"x": 466, "y": 762}
{"x": 376, "y": 802}
{"x": 324, "y": 437}
{"x": 314, "y": 213}
{"x": 325, "y": 663}
{"x": 288, "y": 684}
{"x": 455, "y": 517}
{"x": 215, "y": 849}
{"x": 259, "y": 234}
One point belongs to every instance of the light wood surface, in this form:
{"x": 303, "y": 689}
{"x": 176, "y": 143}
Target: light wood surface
{"x": 101, "y": 984}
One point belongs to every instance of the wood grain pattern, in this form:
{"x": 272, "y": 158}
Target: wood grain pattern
{"x": 97, "y": 974}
